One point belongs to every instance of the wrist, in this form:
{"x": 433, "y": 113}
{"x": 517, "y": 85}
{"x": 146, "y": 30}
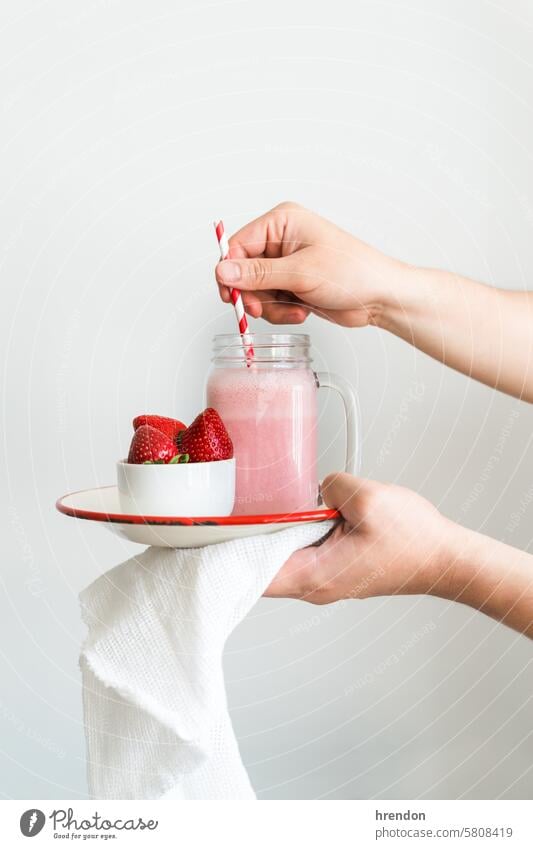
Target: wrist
{"x": 404, "y": 294}
{"x": 453, "y": 568}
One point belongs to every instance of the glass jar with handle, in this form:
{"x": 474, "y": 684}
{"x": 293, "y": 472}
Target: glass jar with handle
{"x": 269, "y": 406}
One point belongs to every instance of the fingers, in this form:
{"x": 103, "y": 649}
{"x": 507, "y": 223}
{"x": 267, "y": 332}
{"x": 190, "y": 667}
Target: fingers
{"x": 275, "y": 307}
{"x": 262, "y": 273}
{"x": 291, "y": 580}
{"x": 235, "y": 251}
{"x": 284, "y": 313}
{"x": 252, "y": 239}
{"x": 224, "y": 294}
{"x": 252, "y": 304}
{"x": 265, "y": 235}
{"x": 266, "y": 254}
{"x": 311, "y": 574}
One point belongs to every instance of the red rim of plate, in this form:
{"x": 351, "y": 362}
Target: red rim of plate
{"x": 320, "y": 515}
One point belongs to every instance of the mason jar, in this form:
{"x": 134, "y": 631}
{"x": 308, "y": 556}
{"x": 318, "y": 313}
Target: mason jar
{"x": 265, "y": 391}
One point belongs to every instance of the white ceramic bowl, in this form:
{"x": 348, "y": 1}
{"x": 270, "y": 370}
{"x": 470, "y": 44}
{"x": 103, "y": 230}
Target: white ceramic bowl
{"x": 177, "y": 489}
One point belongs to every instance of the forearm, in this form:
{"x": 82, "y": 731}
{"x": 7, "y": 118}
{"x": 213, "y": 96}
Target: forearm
{"x": 489, "y": 576}
{"x": 484, "y": 332}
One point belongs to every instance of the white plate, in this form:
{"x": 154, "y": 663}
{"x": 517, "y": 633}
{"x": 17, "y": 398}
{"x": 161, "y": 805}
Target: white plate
{"x": 102, "y": 505}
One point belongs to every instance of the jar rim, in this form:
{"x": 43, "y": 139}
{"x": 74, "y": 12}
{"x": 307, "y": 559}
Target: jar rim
{"x": 258, "y": 340}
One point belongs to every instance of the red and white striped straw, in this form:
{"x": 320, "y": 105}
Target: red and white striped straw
{"x": 236, "y": 297}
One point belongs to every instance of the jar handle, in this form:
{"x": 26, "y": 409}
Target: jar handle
{"x": 352, "y": 415}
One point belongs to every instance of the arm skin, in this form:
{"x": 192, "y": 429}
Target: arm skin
{"x": 496, "y": 579}
{"x": 392, "y": 541}
{"x": 481, "y": 331}
{"x": 290, "y": 263}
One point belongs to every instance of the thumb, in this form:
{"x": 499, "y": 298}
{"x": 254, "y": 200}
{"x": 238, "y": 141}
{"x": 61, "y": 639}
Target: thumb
{"x": 342, "y": 491}
{"x": 261, "y": 273}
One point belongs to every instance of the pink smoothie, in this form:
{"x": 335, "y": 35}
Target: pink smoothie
{"x": 271, "y": 416}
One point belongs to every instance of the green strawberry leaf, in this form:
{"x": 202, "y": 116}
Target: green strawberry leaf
{"x": 180, "y": 458}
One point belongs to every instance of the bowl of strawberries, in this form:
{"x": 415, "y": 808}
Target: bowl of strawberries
{"x": 175, "y": 470}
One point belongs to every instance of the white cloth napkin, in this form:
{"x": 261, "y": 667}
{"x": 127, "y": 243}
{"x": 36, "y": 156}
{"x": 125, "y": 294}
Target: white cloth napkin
{"x": 155, "y": 709}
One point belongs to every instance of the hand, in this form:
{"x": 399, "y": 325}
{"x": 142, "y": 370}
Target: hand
{"x": 290, "y": 262}
{"x": 390, "y": 541}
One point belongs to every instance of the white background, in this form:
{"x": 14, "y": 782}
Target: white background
{"x": 127, "y": 127}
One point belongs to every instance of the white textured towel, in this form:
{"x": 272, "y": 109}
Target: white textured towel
{"x": 156, "y": 716}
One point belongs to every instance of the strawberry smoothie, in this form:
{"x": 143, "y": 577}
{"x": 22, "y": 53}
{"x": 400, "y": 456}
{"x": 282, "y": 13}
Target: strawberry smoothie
{"x": 271, "y": 417}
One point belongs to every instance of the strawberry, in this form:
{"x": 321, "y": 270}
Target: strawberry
{"x": 206, "y": 439}
{"x": 151, "y": 446}
{"x": 170, "y": 427}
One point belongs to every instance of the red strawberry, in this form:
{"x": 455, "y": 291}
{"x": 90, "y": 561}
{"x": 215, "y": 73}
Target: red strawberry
{"x": 171, "y": 427}
{"x": 206, "y": 439}
{"x": 151, "y": 446}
